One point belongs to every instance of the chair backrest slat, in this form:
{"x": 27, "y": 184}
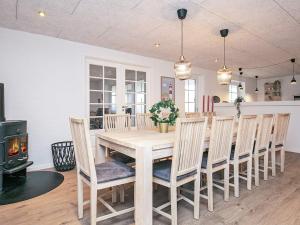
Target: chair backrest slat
{"x": 245, "y": 135}
{"x": 143, "y": 121}
{"x": 281, "y": 128}
{"x": 264, "y": 132}
{"x": 117, "y": 122}
{"x": 220, "y": 139}
{"x": 189, "y": 144}
{"x": 82, "y": 147}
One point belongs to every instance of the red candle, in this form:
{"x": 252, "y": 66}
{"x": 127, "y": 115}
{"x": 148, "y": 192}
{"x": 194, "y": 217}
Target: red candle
{"x": 208, "y": 103}
{"x": 203, "y": 103}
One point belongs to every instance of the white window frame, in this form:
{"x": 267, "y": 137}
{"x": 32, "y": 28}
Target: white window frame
{"x": 188, "y": 90}
{"x": 120, "y": 84}
{"x": 239, "y": 93}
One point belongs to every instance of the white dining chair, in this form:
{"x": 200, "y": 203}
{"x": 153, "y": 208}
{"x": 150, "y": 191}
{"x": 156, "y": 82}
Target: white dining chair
{"x": 193, "y": 114}
{"x": 117, "y": 123}
{"x": 97, "y": 177}
{"x": 261, "y": 146}
{"x": 184, "y": 166}
{"x": 217, "y": 156}
{"x": 278, "y": 140}
{"x": 242, "y": 151}
{"x": 143, "y": 121}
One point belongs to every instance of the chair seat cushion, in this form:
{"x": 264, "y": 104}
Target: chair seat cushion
{"x": 233, "y": 151}
{"x": 162, "y": 170}
{"x": 122, "y": 158}
{"x": 204, "y": 161}
{"x": 260, "y": 150}
{"x": 276, "y": 146}
{"x": 110, "y": 171}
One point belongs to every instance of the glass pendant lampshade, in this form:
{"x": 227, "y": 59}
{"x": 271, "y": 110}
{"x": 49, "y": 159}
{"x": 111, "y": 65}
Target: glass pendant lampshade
{"x": 182, "y": 68}
{"x": 293, "y": 81}
{"x": 224, "y": 74}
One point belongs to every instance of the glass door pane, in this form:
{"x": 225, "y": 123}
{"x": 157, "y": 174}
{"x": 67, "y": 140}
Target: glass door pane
{"x": 102, "y": 92}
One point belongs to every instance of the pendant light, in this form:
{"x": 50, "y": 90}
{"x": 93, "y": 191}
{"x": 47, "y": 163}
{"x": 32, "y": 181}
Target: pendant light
{"x": 224, "y": 74}
{"x": 183, "y": 68}
{"x": 240, "y": 84}
{"x": 293, "y": 81}
{"x": 256, "y": 89}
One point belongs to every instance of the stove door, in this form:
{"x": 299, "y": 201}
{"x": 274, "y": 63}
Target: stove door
{"x": 15, "y": 150}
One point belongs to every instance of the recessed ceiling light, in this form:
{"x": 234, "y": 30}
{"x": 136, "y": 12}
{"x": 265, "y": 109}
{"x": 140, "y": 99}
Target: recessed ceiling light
{"x": 156, "y": 45}
{"x": 41, "y": 13}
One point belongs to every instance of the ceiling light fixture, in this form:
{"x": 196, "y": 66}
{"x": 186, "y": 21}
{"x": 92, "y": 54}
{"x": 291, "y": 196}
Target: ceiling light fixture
{"x": 256, "y": 89}
{"x": 41, "y": 13}
{"x": 293, "y": 81}
{"x": 240, "y": 84}
{"x": 224, "y": 74}
{"x": 182, "y": 68}
{"x": 156, "y": 45}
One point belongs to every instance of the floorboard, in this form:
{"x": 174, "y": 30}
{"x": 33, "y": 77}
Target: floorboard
{"x": 274, "y": 202}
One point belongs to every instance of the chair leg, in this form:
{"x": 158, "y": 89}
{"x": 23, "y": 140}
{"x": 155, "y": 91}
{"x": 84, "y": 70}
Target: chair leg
{"x": 114, "y": 195}
{"x": 93, "y": 204}
{"x": 273, "y": 161}
{"x": 174, "y": 205}
{"x": 256, "y": 170}
{"x": 236, "y": 179}
{"x": 266, "y": 165}
{"x": 80, "y": 197}
{"x": 226, "y": 183}
{"x": 210, "y": 199}
{"x": 282, "y": 156}
{"x": 122, "y": 193}
{"x": 249, "y": 174}
{"x": 197, "y": 198}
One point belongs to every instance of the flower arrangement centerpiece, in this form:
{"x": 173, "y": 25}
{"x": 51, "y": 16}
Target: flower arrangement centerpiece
{"x": 164, "y": 113}
{"x": 237, "y": 103}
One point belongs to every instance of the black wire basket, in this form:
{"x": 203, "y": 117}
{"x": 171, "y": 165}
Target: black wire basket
{"x": 63, "y": 155}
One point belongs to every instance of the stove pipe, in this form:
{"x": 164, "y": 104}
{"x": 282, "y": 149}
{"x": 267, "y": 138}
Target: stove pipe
{"x": 2, "y": 115}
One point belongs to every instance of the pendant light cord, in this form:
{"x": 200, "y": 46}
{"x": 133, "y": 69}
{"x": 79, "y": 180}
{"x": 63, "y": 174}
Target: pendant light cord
{"x": 182, "y": 37}
{"x": 293, "y": 70}
{"x": 224, "y": 52}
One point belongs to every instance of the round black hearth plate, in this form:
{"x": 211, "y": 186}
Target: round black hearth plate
{"x": 36, "y": 183}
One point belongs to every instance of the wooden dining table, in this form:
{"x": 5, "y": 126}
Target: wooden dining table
{"x": 144, "y": 146}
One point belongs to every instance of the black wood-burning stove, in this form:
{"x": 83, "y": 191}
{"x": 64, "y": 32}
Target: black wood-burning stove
{"x": 13, "y": 145}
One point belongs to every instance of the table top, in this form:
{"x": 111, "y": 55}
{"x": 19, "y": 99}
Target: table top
{"x": 140, "y": 138}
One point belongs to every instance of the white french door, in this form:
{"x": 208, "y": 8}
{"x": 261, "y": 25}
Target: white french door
{"x": 115, "y": 88}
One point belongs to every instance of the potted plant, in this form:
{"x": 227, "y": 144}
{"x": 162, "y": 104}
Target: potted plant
{"x": 164, "y": 113}
{"x": 237, "y": 103}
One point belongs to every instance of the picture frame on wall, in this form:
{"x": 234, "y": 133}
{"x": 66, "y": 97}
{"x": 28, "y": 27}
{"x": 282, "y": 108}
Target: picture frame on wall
{"x": 167, "y": 88}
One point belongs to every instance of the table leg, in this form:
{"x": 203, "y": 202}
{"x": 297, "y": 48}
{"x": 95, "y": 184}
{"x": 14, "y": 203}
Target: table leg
{"x": 144, "y": 192}
{"x": 99, "y": 152}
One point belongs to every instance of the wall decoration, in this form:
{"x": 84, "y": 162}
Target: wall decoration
{"x": 168, "y": 88}
{"x": 273, "y": 91}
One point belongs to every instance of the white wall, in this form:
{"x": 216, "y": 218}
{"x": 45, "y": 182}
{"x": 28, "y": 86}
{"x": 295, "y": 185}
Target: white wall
{"x": 292, "y": 107}
{"x": 213, "y": 88}
{"x": 45, "y": 83}
{"x": 287, "y": 89}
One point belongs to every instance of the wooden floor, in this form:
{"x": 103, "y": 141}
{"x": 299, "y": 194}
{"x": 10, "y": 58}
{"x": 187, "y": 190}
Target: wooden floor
{"x": 275, "y": 202}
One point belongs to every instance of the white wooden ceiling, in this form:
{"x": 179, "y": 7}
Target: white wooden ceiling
{"x": 262, "y": 32}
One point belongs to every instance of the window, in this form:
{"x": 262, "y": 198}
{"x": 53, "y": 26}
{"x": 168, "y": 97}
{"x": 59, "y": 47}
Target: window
{"x": 190, "y": 96}
{"x": 234, "y": 90}
{"x": 114, "y": 88}
{"x": 135, "y": 93}
{"x": 102, "y": 93}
